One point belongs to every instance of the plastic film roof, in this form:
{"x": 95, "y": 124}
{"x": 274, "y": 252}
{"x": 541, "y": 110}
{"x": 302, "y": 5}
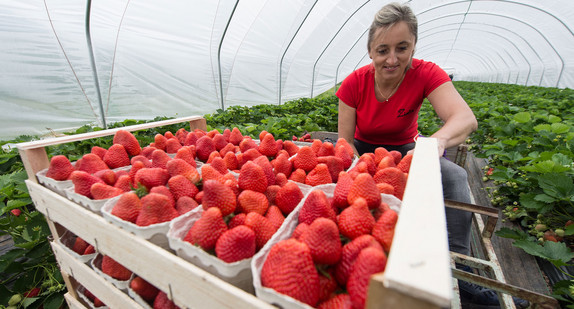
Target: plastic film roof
{"x": 66, "y": 63}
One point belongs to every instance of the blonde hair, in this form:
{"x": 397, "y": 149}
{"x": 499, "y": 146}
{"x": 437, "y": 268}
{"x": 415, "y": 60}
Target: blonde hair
{"x": 391, "y": 14}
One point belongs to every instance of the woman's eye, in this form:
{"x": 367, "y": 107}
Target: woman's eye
{"x": 382, "y": 51}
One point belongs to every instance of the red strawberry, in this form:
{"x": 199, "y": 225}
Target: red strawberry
{"x": 226, "y": 134}
{"x": 204, "y": 147}
{"x": 210, "y": 173}
{"x": 364, "y": 186}
{"x": 341, "y": 142}
{"x": 89, "y": 250}
{"x": 144, "y": 289}
{"x": 237, "y": 220}
{"x": 327, "y": 149}
{"x": 219, "y": 165}
{"x": 380, "y": 153}
{"x": 80, "y": 245}
{"x": 220, "y": 196}
{"x": 288, "y": 197}
{"x": 16, "y": 212}
{"x": 230, "y": 160}
{"x": 99, "y": 151}
{"x": 229, "y": 147}
{"x": 190, "y": 139}
{"x": 181, "y": 134}
{"x": 185, "y": 204}
{"x": 281, "y": 180}
{"x": 186, "y": 154}
{"x": 151, "y": 177}
{"x": 33, "y": 292}
{"x": 342, "y": 189}
{"x": 212, "y": 156}
{"x": 319, "y": 175}
{"x": 275, "y": 216}
{"x": 252, "y": 177}
{"x": 156, "y": 208}
{"x": 172, "y": 145}
{"x": 271, "y": 193}
{"x": 337, "y": 301}
{"x": 268, "y": 146}
{"x": 161, "y": 301}
{"x": 60, "y": 168}
{"x": 236, "y": 244}
{"x": 327, "y": 283}
{"x": 114, "y": 269}
{"x": 306, "y": 159}
{"x": 396, "y": 155}
{"x": 267, "y": 169}
{"x": 180, "y": 167}
{"x": 83, "y": 182}
{"x": 384, "y": 229}
{"x": 129, "y": 141}
{"x": 349, "y": 254}
{"x": 219, "y": 142}
{"x": 180, "y": 186}
{"x": 370, "y": 161}
{"x": 117, "y": 156}
{"x": 212, "y": 133}
{"x": 124, "y": 183}
{"x": 334, "y": 164}
{"x": 316, "y": 205}
{"x": 386, "y": 188}
{"x": 356, "y": 220}
{"x": 300, "y": 229}
{"x": 316, "y": 145}
{"x": 207, "y": 229}
{"x": 291, "y": 148}
{"x": 323, "y": 240}
{"x": 160, "y": 141}
{"x": 262, "y": 227}
{"x": 159, "y": 158}
{"x": 298, "y": 175}
{"x": 405, "y": 163}
{"x": 147, "y": 151}
{"x": 289, "y": 270}
{"x": 127, "y": 207}
{"x": 108, "y": 176}
{"x": 102, "y": 191}
{"x": 282, "y": 164}
{"x": 380, "y": 210}
{"x": 165, "y": 191}
{"x": 252, "y": 201}
{"x": 387, "y": 161}
{"x": 394, "y": 177}
{"x": 235, "y": 137}
{"x": 369, "y": 262}
{"x": 136, "y": 166}
{"x": 247, "y": 143}
{"x": 91, "y": 163}
{"x": 342, "y": 154}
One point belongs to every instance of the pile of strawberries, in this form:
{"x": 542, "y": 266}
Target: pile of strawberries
{"x": 246, "y": 190}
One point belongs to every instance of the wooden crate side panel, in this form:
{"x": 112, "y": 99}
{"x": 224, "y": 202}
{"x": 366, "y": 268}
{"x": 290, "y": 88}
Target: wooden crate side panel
{"x": 73, "y": 303}
{"x": 188, "y": 284}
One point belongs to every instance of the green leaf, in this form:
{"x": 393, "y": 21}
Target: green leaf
{"x": 54, "y": 301}
{"x": 9, "y": 257}
{"x": 544, "y": 198}
{"x": 555, "y": 252}
{"x": 543, "y": 127}
{"x": 557, "y": 185}
{"x": 560, "y": 128}
{"x": 511, "y": 233}
{"x": 569, "y": 230}
{"x": 528, "y": 200}
{"x": 522, "y": 117}
{"x": 554, "y": 119}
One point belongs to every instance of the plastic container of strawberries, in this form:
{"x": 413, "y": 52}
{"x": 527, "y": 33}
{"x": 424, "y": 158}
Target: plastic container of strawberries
{"x": 97, "y": 267}
{"x": 67, "y": 241}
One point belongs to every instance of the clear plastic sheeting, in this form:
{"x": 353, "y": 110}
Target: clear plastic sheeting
{"x": 178, "y": 58}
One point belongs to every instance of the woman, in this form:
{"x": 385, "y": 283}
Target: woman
{"x": 379, "y": 105}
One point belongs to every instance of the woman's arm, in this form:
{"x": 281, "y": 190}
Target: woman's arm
{"x": 347, "y": 123}
{"x": 459, "y": 120}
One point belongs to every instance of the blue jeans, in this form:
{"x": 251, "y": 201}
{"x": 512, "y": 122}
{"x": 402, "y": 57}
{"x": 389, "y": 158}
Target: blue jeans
{"x": 454, "y": 186}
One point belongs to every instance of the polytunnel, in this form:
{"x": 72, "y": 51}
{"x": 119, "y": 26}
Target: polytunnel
{"x": 66, "y": 63}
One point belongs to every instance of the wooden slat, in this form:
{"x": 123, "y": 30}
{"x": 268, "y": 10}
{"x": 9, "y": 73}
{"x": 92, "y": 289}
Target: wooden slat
{"x": 419, "y": 262}
{"x": 73, "y": 303}
{"x": 187, "y": 283}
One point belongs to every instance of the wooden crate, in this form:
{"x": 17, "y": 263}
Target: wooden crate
{"x": 417, "y": 275}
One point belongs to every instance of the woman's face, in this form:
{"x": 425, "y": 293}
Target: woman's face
{"x": 392, "y": 50}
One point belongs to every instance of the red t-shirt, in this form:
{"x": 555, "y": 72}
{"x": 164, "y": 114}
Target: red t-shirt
{"x": 393, "y": 122}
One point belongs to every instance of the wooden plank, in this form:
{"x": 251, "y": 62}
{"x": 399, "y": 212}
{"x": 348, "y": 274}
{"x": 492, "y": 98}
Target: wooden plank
{"x": 187, "y": 283}
{"x": 419, "y": 262}
{"x": 73, "y": 303}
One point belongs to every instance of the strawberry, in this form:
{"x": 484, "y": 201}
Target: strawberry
{"x": 252, "y": 201}
{"x": 144, "y": 289}
{"x": 108, "y": 176}
{"x": 89, "y": 250}
{"x": 136, "y": 166}
{"x": 235, "y": 137}
{"x": 298, "y": 175}
{"x": 129, "y": 141}
{"x": 219, "y": 165}
{"x": 114, "y": 269}
{"x": 83, "y": 182}
{"x": 16, "y": 212}
{"x": 199, "y": 197}
{"x": 210, "y": 173}
{"x": 127, "y": 207}
{"x": 327, "y": 149}
{"x": 156, "y": 208}
{"x": 190, "y": 139}
{"x": 250, "y": 155}
{"x": 316, "y": 145}
{"x": 147, "y": 151}
{"x": 165, "y": 191}
{"x": 306, "y": 159}
{"x": 279, "y": 145}
{"x": 226, "y": 134}
{"x": 288, "y": 197}
{"x": 289, "y": 270}
{"x": 356, "y": 220}
{"x": 160, "y": 141}
{"x": 99, "y": 151}
{"x": 151, "y": 177}
{"x": 204, "y": 147}
{"x": 181, "y": 167}
{"x": 33, "y": 292}
{"x": 238, "y": 219}
{"x": 181, "y": 134}
{"x": 262, "y": 227}
{"x": 341, "y": 142}
{"x": 291, "y": 148}
{"x": 212, "y": 156}
{"x": 219, "y": 142}
{"x": 186, "y": 154}
{"x": 327, "y": 284}
{"x": 349, "y": 254}
{"x": 394, "y": 177}
{"x": 334, "y": 164}
{"x": 217, "y": 195}
{"x": 316, "y": 205}
{"x": 207, "y": 229}
{"x": 267, "y": 169}
{"x": 230, "y": 160}
{"x": 80, "y": 245}
{"x": 320, "y": 175}
{"x": 236, "y": 244}
{"x": 159, "y": 159}
{"x": 102, "y": 191}
{"x": 300, "y": 229}
{"x": 252, "y": 177}
{"x": 172, "y": 145}
{"x": 370, "y": 161}
{"x": 271, "y": 193}
{"x": 213, "y": 133}
{"x": 90, "y": 163}
{"x": 117, "y": 156}
{"x": 385, "y": 188}
{"x": 229, "y": 147}
{"x": 323, "y": 240}
{"x": 247, "y": 143}
{"x": 60, "y": 168}
{"x": 387, "y": 161}
{"x": 180, "y": 186}
{"x": 268, "y": 146}
{"x": 384, "y": 229}
{"x": 342, "y": 189}
{"x": 369, "y": 262}
{"x": 161, "y": 301}
{"x": 337, "y": 301}
{"x": 380, "y": 153}
{"x": 185, "y": 204}
{"x": 396, "y": 155}
{"x": 342, "y": 154}
{"x": 124, "y": 183}
{"x": 364, "y": 186}
{"x": 380, "y": 210}
{"x": 275, "y": 216}
{"x": 282, "y": 164}
{"x": 405, "y": 163}
{"x": 281, "y": 180}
